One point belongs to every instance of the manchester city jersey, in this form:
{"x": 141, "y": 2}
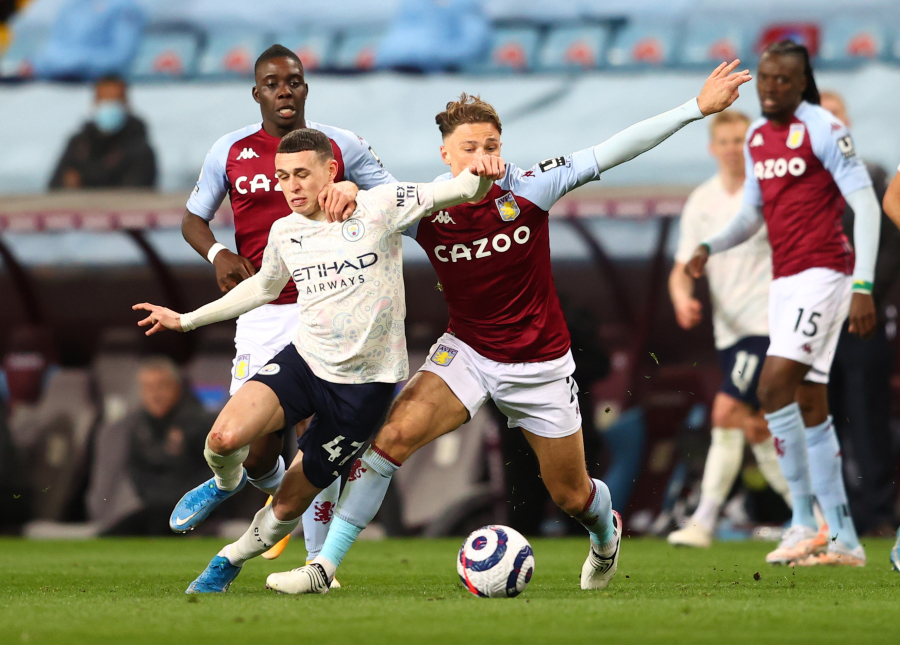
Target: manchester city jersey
{"x": 349, "y": 280}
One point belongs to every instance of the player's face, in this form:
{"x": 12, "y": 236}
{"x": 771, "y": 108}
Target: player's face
{"x": 727, "y": 146}
{"x": 302, "y": 176}
{"x": 160, "y": 391}
{"x": 780, "y": 82}
{"x": 468, "y": 142}
{"x": 281, "y": 93}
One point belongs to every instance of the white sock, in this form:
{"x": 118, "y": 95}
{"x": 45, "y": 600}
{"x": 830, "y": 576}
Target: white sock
{"x": 723, "y": 461}
{"x": 265, "y": 532}
{"x": 228, "y": 470}
{"x": 767, "y": 462}
{"x": 270, "y": 482}
{"x": 317, "y": 518}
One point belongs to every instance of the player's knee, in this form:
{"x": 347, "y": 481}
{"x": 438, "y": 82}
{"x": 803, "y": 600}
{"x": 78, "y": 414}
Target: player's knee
{"x": 772, "y": 395}
{"x": 724, "y": 412}
{"x": 224, "y": 439}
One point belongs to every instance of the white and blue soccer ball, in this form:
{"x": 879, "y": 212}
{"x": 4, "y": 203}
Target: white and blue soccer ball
{"x": 495, "y": 562}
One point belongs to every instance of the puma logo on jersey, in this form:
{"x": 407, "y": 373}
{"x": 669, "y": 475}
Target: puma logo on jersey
{"x": 443, "y": 217}
{"x": 247, "y": 153}
{"x": 771, "y": 168}
{"x": 757, "y": 140}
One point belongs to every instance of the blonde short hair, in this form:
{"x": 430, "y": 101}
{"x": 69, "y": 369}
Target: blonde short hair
{"x": 727, "y": 117}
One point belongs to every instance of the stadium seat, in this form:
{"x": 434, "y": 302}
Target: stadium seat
{"x": 513, "y": 49}
{"x": 313, "y": 47}
{"x": 709, "y": 42}
{"x": 846, "y": 40}
{"x": 643, "y": 43}
{"x": 573, "y": 48}
{"x": 355, "y": 51}
{"x": 166, "y": 53}
{"x": 806, "y": 34}
{"x": 54, "y": 435}
{"x": 231, "y": 53}
{"x": 16, "y": 61}
{"x": 209, "y": 376}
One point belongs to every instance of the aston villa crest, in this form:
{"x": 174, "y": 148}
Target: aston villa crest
{"x": 509, "y": 209}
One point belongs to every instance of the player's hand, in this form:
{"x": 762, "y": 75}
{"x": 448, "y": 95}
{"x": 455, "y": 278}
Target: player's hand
{"x": 721, "y": 88}
{"x": 231, "y": 269}
{"x": 696, "y": 266}
{"x": 862, "y": 315}
{"x": 338, "y": 200}
{"x": 160, "y": 318}
{"x": 488, "y": 166}
{"x": 688, "y": 312}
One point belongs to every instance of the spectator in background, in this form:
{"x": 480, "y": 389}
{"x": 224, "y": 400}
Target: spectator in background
{"x": 166, "y": 438}
{"x": 859, "y": 391}
{"x": 112, "y": 149}
{"x": 90, "y": 39}
{"x": 434, "y": 36}
{"x": 7, "y": 9}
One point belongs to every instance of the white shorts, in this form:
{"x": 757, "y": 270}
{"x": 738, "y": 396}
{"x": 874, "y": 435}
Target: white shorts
{"x": 541, "y": 398}
{"x": 261, "y": 333}
{"x": 806, "y": 313}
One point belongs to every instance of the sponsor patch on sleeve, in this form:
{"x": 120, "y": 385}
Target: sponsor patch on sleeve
{"x": 555, "y": 162}
{"x": 845, "y": 145}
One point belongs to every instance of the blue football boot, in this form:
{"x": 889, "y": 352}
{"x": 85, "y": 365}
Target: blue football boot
{"x": 197, "y": 504}
{"x": 895, "y": 553}
{"x": 216, "y": 577}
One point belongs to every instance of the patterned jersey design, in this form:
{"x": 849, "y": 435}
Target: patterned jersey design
{"x": 242, "y": 165}
{"x": 349, "y": 282}
{"x": 493, "y": 262}
{"x": 797, "y": 174}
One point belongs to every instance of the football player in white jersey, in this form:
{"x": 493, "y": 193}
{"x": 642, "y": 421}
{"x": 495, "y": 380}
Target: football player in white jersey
{"x": 350, "y": 346}
{"x": 739, "y": 290}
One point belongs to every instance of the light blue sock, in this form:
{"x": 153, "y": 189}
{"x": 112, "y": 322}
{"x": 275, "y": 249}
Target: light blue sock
{"x": 317, "y": 518}
{"x": 786, "y": 426}
{"x": 826, "y": 474}
{"x": 597, "y": 516}
{"x": 366, "y": 487}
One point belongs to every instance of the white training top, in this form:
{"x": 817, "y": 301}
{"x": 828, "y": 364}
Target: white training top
{"x": 738, "y": 278}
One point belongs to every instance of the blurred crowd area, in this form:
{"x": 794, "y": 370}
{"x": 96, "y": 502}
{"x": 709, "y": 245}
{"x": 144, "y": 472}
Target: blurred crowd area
{"x": 164, "y": 39}
{"x": 101, "y": 429}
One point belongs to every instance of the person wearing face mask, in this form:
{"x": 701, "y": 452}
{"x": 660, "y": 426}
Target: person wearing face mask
{"x": 112, "y": 149}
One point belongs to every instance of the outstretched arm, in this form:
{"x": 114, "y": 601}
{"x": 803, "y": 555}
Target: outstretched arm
{"x": 253, "y": 292}
{"x": 719, "y": 91}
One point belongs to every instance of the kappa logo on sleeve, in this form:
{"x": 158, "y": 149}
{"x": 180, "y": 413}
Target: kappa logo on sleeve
{"x": 242, "y": 367}
{"x": 555, "y": 162}
{"x": 845, "y": 145}
{"x": 443, "y": 355}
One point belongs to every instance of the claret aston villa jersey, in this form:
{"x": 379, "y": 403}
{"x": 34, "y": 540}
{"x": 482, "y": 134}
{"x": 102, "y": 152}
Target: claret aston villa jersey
{"x": 493, "y": 261}
{"x": 797, "y": 174}
{"x": 242, "y": 165}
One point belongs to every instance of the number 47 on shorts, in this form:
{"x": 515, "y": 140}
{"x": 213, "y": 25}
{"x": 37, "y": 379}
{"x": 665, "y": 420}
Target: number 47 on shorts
{"x": 335, "y": 449}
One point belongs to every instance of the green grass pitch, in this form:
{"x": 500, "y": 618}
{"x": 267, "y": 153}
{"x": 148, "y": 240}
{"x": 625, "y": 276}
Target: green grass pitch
{"x": 406, "y": 591}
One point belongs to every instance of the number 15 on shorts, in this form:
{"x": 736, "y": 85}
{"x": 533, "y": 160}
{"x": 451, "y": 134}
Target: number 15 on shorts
{"x": 335, "y": 449}
{"x": 806, "y": 323}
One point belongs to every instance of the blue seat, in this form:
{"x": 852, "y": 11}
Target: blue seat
{"x": 709, "y": 42}
{"x": 512, "y": 49}
{"x": 313, "y": 47}
{"x": 642, "y": 44}
{"x": 356, "y": 50}
{"x": 231, "y": 52}
{"x": 573, "y": 48}
{"x": 166, "y": 54}
{"x": 16, "y": 62}
{"x": 847, "y": 39}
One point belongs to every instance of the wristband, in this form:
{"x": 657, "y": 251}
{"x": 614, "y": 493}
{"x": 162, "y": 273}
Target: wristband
{"x": 213, "y": 250}
{"x": 861, "y": 286}
{"x": 708, "y": 252}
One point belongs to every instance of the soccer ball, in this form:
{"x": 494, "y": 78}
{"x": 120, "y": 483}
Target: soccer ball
{"x": 495, "y": 562}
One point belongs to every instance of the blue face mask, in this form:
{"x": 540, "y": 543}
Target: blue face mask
{"x": 110, "y": 116}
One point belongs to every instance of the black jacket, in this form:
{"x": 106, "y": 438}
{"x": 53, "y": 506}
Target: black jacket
{"x": 121, "y": 160}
